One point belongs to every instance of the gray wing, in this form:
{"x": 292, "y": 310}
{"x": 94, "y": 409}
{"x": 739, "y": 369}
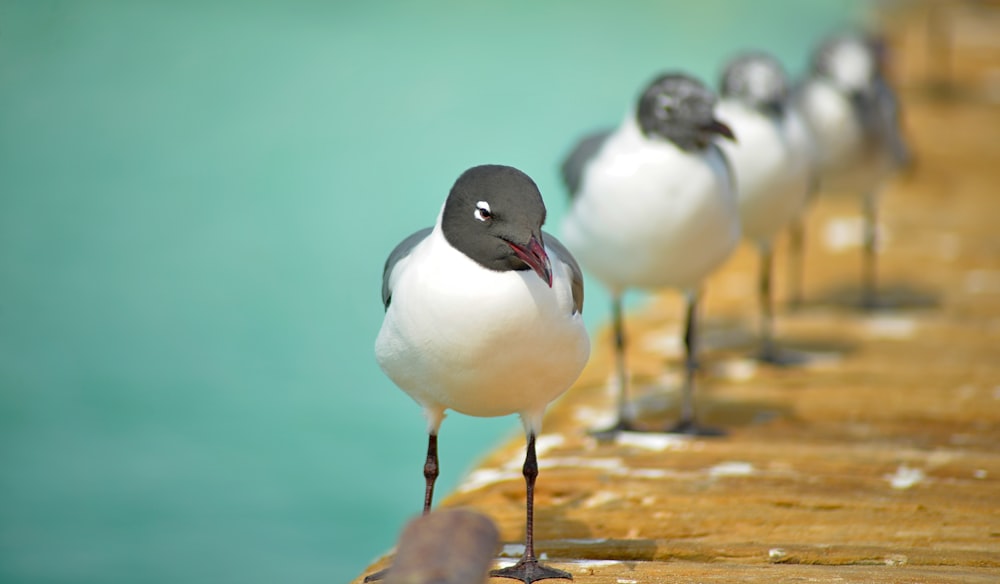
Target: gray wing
{"x": 584, "y": 151}
{"x": 401, "y": 251}
{"x": 888, "y": 121}
{"x": 565, "y": 256}
{"x": 730, "y": 173}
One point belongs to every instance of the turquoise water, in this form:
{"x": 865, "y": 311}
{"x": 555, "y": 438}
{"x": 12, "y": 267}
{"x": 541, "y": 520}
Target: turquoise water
{"x": 195, "y": 202}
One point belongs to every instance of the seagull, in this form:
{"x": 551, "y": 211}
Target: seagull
{"x": 772, "y": 163}
{"x": 654, "y": 206}
{"x": 483, "y": 317}
{"x": 854, "y": 115}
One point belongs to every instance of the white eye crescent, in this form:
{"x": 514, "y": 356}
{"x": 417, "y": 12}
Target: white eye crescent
{"x": 482, "y": 211}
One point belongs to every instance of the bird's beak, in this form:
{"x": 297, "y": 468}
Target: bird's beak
{"x": 534, "y": 255}
{"x": 717, "y": 127}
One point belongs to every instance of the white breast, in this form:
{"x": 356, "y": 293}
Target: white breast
{"x": 649, "y": 215}
{"x": 848, "y": 160}
{"x": 482, "y": 343}
{"x": 771, "y": 163}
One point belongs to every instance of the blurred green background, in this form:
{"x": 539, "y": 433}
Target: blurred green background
{"x": 196, "y": 199}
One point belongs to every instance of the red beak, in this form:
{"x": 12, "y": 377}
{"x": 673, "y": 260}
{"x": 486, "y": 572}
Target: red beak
{"x": 534, "y": 255}
{"x": 717, "y": 127}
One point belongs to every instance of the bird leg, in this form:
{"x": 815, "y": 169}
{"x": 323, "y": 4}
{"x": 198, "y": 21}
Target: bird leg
{"x": 527, "y": 569}
{"x": 769, "y": 351}
{"x": 623, "y": 423}
{"x": 430, "y": 471}
{"x": 688, "y": 423}
{"x": 796, "y": 253}
{"x": 869, "y": 274}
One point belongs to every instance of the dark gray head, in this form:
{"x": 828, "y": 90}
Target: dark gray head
{"x": 852, "y": 62}
{"x": 757, "y": 79}
{"x": 679, "y": 108}
{"x": 494, "y": 215}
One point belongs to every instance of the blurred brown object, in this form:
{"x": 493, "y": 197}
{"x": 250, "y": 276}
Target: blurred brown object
{"x": 447, "y": 546}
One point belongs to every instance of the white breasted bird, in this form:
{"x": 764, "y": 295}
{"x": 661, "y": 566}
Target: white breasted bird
{"x": 854, "y": 116}
{"x": 653, "y": 207}
{"x": 772, "y": 163}
{"x": 483, "y": 317}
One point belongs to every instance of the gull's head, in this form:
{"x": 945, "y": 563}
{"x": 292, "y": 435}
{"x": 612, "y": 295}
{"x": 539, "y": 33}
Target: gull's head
{"x": 494, "y": 215}
{"x": 681, "y": 109}
{"x": 758, "y": 80}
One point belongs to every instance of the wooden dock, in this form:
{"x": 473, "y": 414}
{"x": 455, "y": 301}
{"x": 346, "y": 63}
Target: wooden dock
{"x": 877, "y": 462}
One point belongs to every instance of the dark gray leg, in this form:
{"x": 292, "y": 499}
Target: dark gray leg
{"x": 869, "y": 275}
{"x": 621, "y": 371}
{"x": 527, "y": 569}
{"x": 767, "y": 349}
{"x": 796, "y": 254}
{"x": 688, "y": 422}
{"x": 430, "y": 471}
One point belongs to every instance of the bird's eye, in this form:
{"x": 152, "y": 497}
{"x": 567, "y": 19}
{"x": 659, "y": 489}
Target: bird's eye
{"x": 482, "y": 211}
{"x": 666, "y": 102}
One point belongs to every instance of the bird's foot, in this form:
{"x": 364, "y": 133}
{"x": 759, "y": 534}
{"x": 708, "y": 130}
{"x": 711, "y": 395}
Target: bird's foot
{"x": 782, "y": 357}
{"x": 376, "y": 576}
{"x": 873, "y": 302}
{"x": 693, "y": 428}
{"x": 528, "y": 571}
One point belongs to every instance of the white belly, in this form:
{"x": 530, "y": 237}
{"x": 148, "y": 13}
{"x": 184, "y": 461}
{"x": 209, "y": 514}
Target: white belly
{"x": 849, "y": 160}
{"x": 482, "y": 343}
{"x": 771, "y": 172}
{"x": 650, "y": 216}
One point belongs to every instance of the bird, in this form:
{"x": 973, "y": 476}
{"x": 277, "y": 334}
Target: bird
{"x": 483, "y": 316}
{"x": 653, "y": 206}
{"x": 853, "y": 113}
{"x": 773, "y": 164}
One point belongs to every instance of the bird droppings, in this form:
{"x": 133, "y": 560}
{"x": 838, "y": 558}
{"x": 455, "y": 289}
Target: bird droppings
{"x": 624, "y": 581}
{"x": 588, "y": 417}
{"x": 654, "y": 442}
{"x": 667, "y": 343}
{"x": 980, "y": 473}
{"x": 482, "y": 477}
{"x": 891, "y": 327}
{"x": 896, "y": 560}
{"x": 600, "y": 498}
{"x": 905, "y": 477}
{"x": 609, "y": 464}
{"x": 776, "y": 554}
{"x": 843, "y": 233}
{"x": 512, "y": 550}
{"x": 546, "y": 442}
{"x": 590, "y": 564}
{"x": 647, "y": 473}
{"x": 731, "y": 469}
{"x": 736, "y": 369}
